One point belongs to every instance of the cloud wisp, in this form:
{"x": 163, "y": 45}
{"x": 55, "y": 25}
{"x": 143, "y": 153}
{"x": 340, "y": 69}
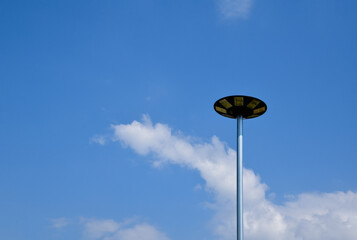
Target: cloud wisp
{"x": 101, "y": 140}
{"x": 235, "y": 8}
{"x": 309, "y": 216}
{"x": 108, "y": 229}
{"x": 60, "y": 222}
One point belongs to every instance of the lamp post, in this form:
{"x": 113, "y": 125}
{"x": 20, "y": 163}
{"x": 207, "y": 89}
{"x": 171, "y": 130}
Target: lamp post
{"x": 240, "y": 107}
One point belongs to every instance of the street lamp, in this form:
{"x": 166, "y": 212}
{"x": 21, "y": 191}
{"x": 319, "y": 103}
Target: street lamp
{"x": 240, "y": 107}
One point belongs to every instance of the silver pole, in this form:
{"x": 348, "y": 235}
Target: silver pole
{"x": 240, "y": 177}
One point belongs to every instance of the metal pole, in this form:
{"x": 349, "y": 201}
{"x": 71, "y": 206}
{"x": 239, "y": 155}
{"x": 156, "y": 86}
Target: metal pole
{"x": 240, "y": 177}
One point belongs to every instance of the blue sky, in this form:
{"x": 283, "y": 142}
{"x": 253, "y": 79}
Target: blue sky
{"x": 108, "y": 129}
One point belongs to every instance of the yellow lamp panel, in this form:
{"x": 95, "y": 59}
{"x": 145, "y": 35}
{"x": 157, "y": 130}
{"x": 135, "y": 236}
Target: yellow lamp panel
{"x": 252, "y": 116}
{"x": 253, "y": 103}
{"x": 238, "y": 101}
{"x": 219, "y": 109}
{"x": 225, "y": 103}
{"x": 259, "y": 110}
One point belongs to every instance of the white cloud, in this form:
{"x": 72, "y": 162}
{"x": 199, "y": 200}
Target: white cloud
{"x": 235, "y": 8}
{"x": 323, "y": 216}
{"x": 97, "y": 229}
{"x": 108, "y": 229}
{"x": 198, "y": 187}
{"x": 60, "y": 222}
{"x": 101, "y": 140}
{"x": 307, "y": 217}
{"x": 140, "y": 231}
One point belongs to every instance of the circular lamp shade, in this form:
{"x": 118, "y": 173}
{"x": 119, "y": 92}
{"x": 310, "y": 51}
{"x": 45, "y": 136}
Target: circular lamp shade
{"x": 233, "y": 106}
